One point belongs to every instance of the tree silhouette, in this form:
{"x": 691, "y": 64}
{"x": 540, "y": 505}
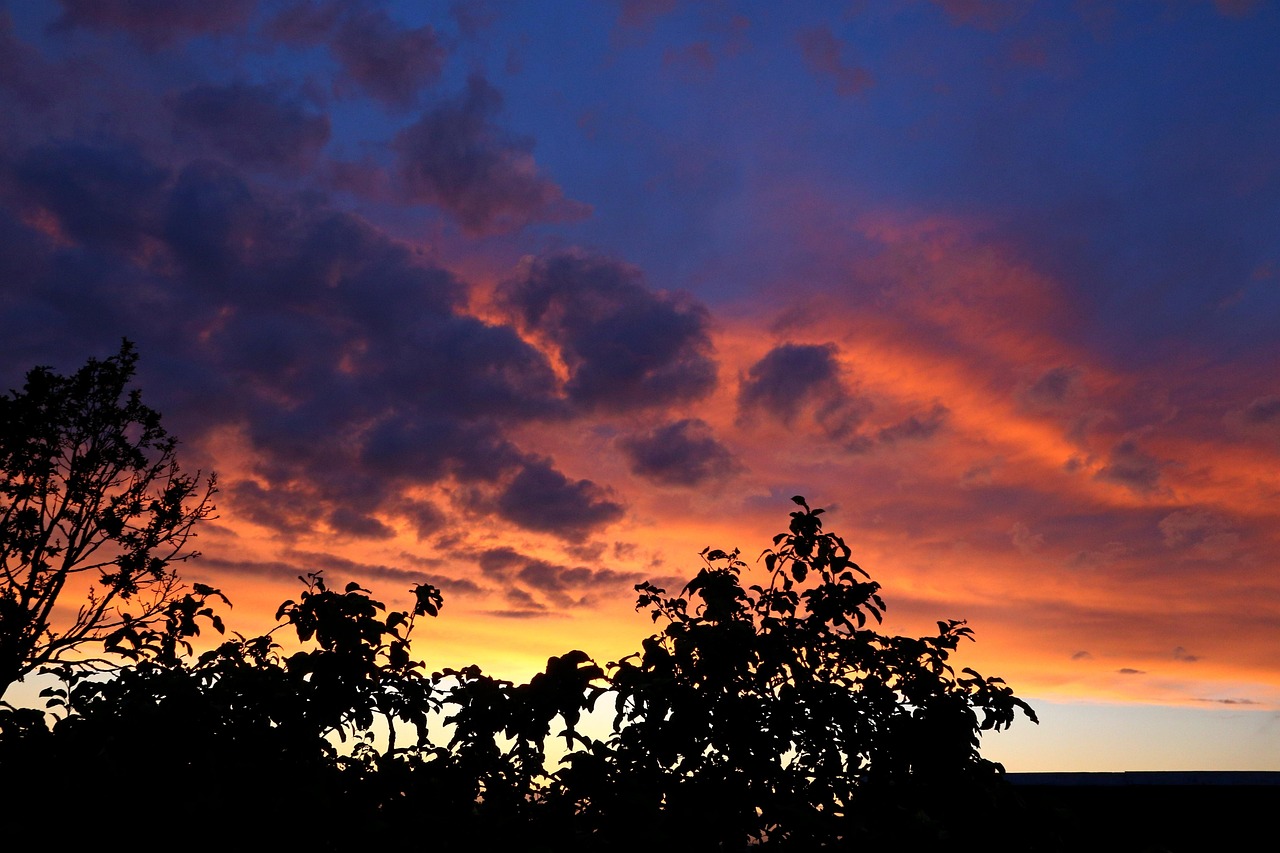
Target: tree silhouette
{"x": 766, "y": 712}
{"x": 772, "y": 713}
{"x": 92, "y": 505}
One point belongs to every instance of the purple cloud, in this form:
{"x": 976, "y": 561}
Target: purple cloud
{"x": 541, "y": 498}
{"x": 104, "y": 195}
{"x": 795, "y": 378}
{"x": 1263, "y": 410}
{"x": 915, "y": 427}
{"x": 532, "y": 583}
{"x": 683, "y": 453}
{"x": 155, "y": 23}
{"x": 1053, "y": 387}
{"x": 1130, "y": 465}
{"x": 822, "y": 53}
{"x": 390, "y": 62}
{"x": 253, "y": 125}
{"x": 626, "y": 346}
{"x": 456, "y": 158}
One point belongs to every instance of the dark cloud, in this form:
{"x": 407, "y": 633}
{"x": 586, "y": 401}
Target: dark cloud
{"x": 1081, "y": 655}
{"x": 915, "y": 427}
{"x": 349, "y": 522}
{"x": 211, "y": 219}
{"x": 1180, "y": 653}
{"x": 641, "y": 14}
{"x": 377, "y": 55}
{"x": 1129, "y": 465}
{"x": 788, "y": 376}
{"x": 531, "y": 582}
{"x": 345, "y": 568}
{"x": 155, "y": 23}
{"x": 1199, "y": 533}
{"x": 1238, "y": 8}
{"x": 796, "y": 378}
{"x": 390, "y": 62}
{"x": 625, "y": 345}
{"x": 535, "y": 613}
{"x": 343, "y": 359}
{"x": 455, "y": 157}
{"x": 253, "y": 125}
{"x": 541, "y": 498}
{"x": 1054, "y": 387}
{"x": 1130, "y": 671}
{"x": 279, "y": 509}
{"x": 984, "y": 14}
{"x": 473, "y": 17}
{"x": 337, "y": 572}
{"x": 683, "y": 453}
{"x": 104, "y": 195}
{"x": 822, "y": 53}
{"x": 1264, "y": 410}
{"x": 305, "y": 22}
{"x": 23, "y": 71}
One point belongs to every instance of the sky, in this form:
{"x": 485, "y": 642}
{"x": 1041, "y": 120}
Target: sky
{"x": 534, "y": 302}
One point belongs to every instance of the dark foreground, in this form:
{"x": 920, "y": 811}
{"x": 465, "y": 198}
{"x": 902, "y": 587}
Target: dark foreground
{"x": 1152, "y": 811}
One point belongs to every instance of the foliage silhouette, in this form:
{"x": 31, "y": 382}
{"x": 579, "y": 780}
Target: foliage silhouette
{"x": 772, "y": 713}
{"x": 769, "y": 715}
{"x": 92, "y": 504}
{"x": 764, "y": 716}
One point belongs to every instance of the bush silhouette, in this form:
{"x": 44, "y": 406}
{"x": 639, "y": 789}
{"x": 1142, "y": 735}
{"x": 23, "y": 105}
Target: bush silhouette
{"x": 766, "y": 715}
{"x": 760, "y": 715}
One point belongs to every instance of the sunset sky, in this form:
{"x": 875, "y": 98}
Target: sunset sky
{"x": 533, "y": 301}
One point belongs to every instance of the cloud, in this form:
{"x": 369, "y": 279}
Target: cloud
{"x": 626, "y": 346}
{"x": 1081, "y": 655}
{"x": 155, "y": 23}
{"x": 795, "y": 379}
{"x": 305, "y": 22}
{"x": 389, "y": 62}
{"x": 104, "y": 195}
{"x": 341, "y": 358}
{"x": 339, "y": 570}
{"x": 1200, "y": 534}
{"x": 1024, "y": 540}
{"x": 1263, "y": 410}
{"x": 1130, "y": 671}
{"x": 1237, "y": 8}
{"x": 377, "y": 55}
{"x": 24, "y": 72}
{"x": 541, "y": 498}
{"x": 641, "y": 14}
{"x": 532, "y": 582}
{"x": 915, "y": 427}
{"x": 822, "y": 53}
{"x": 984, "y": 14}
{"x": 1131, "y": 466}
{"x": 1053, "y": 387}
{"x": 473, "y": 17}
{"x": 455, "y": 157}
{"x": 681, "y": 453}
{"x": 1180, "y": 653}
{"x": 253, "y": 125}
